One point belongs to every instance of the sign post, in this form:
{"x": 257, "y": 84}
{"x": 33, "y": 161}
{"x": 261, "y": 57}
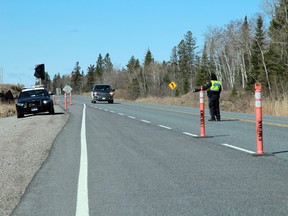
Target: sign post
{"x": 67, "y": 89}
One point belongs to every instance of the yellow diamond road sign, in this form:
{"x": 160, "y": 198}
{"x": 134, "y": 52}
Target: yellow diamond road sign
{"x": 172, "y": 85}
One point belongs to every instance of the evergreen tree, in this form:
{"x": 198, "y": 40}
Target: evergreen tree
{"x": 146, "y": 73}
{"x": 76, "y": 78}
{"x": 174, "y": 64}
{"x": 257, "y": 72}
{"x": 148, "y": 58}
{"x": 99, "y": 69}
{"x": 134, "y": 85}
{"x": 186, "y": 57}
{"x": 90, "y": 77}
{"x": 245, "y": 52}
{"x": 184, "y": 69}
{"x": 190, "y": 44}
{"x": 107, "y": 64}
{"x": 277, "y": 55}
{"x": 202, "y": 75}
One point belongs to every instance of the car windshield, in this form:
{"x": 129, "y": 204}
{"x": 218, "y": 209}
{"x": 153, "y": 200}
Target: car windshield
{"x": 102, "y": 87}
{"x": 33, "y": 93}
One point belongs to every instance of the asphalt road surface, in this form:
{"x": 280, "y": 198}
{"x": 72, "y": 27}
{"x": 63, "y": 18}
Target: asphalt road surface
{"x": 142, "y": 159}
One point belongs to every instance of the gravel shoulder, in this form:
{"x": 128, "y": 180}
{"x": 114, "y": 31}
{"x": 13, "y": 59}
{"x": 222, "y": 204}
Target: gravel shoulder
{"x": 24, "y": 145}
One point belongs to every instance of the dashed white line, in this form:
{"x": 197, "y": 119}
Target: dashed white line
{"x": 237, "y": 148}
{"x": 189, "y": 134}
{"x": 132, "y": 117}
{"x": 82, "y": 206}
{"x": 163, "y": 126}
{"x": 120, "y": 114}
{"x": 145, "y": 121}
{"x": 112, "y": 111}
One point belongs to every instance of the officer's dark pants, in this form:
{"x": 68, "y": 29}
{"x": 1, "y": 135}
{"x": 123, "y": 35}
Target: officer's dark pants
{"x": 214, "y": 109}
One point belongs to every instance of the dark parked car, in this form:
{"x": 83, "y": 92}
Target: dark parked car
{"x": 102, "y": 92}
{"x": 34, "y": 100}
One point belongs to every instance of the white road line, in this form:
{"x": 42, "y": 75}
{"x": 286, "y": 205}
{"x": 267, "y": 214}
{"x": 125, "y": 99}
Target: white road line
{"x": 237, "y": 148}
{"x": 132, "y": 117}
{"x": 120, "y": 114}
{"x": 82, "y": 207}
{"x": 112, "y": 111}
{"x": 106, "y": 110}
{"x": 189, "y": 134}
{"x": 145, "y": 121}
{"x": 163, "y": 126}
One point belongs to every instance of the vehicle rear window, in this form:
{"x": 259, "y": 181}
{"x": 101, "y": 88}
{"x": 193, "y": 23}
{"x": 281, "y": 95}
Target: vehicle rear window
{"x": 102, "y": 87}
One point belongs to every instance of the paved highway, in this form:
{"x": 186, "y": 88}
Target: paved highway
{"x": 141, "y": 159}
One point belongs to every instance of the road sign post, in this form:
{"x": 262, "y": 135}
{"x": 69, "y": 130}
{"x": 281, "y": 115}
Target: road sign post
{"x": 67, "y": 89}
{"x": 65, "y": 101}
{"x": 71, "y": 97}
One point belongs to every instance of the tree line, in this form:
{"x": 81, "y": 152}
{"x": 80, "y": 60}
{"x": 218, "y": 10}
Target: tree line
{"x": 241, "y": 53}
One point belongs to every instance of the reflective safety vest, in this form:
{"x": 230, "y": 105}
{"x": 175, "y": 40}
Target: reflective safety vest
{"x": 215, "y": 85}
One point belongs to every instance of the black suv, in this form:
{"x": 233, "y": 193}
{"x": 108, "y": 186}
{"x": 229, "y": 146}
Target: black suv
{"x": 34, "y": 100}
{"x": 102, "y": 92}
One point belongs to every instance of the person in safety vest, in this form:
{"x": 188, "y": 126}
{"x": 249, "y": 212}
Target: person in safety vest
{"x": 214, "y": 88}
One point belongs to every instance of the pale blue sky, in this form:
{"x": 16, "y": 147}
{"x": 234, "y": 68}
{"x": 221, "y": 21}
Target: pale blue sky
{"x": 59, "y": 33}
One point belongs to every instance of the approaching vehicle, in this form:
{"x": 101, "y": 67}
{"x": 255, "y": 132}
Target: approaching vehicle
{"x": 102, "y": 92}
{"x": 34, "y": 100}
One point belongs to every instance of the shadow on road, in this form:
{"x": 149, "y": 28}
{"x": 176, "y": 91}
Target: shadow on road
{"x": 280, "y": 152}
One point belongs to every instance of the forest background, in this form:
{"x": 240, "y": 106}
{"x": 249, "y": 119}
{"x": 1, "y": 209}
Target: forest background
{"x": 241, "y": 53}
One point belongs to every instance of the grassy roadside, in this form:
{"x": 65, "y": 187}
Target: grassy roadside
{"x": 238, "y": 103}
{"x": 8, "y": 108}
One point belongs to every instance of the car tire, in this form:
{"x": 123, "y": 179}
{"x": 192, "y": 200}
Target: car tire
{"x": 52, "y": 111}
{"x": 19, "y": 115}
{"x": 111, "y": 101}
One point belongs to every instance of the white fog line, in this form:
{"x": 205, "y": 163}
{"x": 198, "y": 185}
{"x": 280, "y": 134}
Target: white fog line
{"x": 237, "y": 148}
{"x": 132, "y": 117}
{"x": 163, "y": 126}
{"x": 145, "y": 121}
{"x": 120, "y": 114}
{"x": 189, "y": 134}
{"x": 82, "y": 207}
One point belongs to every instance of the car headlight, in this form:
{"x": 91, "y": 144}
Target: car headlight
{"x": 45, "y": 101}
{"x": 20, "y": 104}
{"x": 95, "y": 93}
{"x": 111, "y": 93}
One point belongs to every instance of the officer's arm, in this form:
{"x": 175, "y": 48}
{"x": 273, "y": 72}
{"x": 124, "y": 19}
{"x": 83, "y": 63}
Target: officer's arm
{"x": 205, "y": 87}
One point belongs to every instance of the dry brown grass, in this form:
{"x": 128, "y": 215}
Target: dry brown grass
{"x": 9, "y": 109}
{"x": 240, "y": 103}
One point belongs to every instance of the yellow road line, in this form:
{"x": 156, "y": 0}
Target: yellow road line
{"x": 193, "y": 113}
